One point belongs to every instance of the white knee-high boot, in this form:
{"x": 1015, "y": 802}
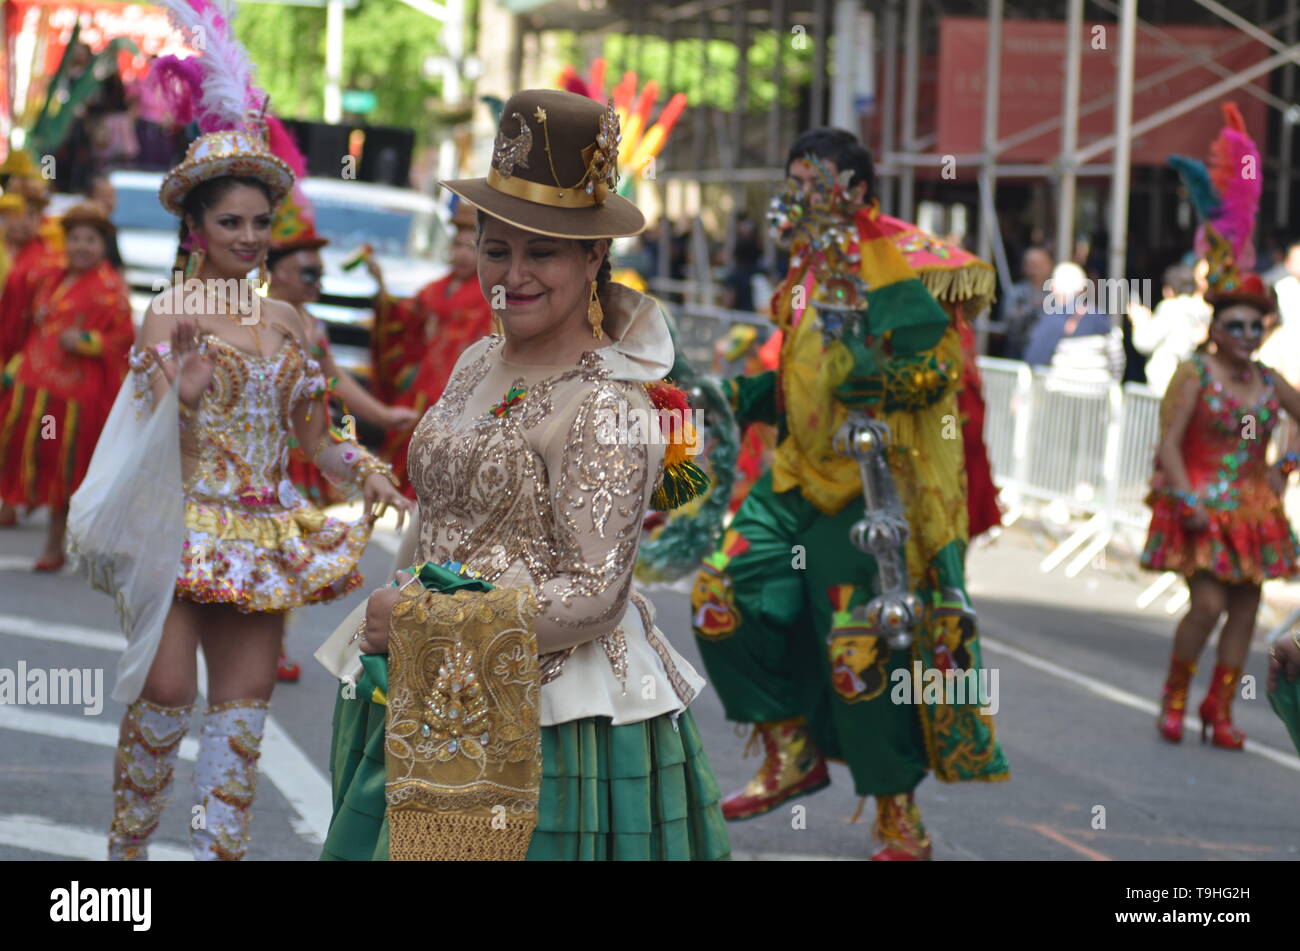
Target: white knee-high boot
{"x": 225, "y": 779}
{"x": 146, "y": 759}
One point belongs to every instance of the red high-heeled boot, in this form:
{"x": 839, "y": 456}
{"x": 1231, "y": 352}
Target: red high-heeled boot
{"x": 1173, "y": 701}
{"x": 1216, "y": 709}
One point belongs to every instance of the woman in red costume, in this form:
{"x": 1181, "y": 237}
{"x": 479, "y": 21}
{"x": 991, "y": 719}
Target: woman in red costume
{"x": 1216, "y": 510}
{"x": 453, "y": 314}
{"x": 56, "y": 392}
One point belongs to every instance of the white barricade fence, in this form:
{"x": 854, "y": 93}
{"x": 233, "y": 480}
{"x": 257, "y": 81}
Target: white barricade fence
{"x": 1071, "y": 447}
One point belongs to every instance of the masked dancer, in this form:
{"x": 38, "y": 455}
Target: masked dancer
{"x": 1216, "y": 510}
{"x": 814, "y": 629}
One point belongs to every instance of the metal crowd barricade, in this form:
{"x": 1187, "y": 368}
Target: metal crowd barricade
{"x": 1087, "y": 447}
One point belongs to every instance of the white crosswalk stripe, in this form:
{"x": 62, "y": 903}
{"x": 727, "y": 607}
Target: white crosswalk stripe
{"x": 38, "y": 834}
{"x": 283, "y": 762}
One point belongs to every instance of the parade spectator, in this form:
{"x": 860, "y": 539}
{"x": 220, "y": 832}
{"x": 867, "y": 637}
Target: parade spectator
{"x": 1288, "y": 287}
{"x": 738, "y": 283}
{"x": 1071, "y": 337}
{"x": 1023, "y": 305}
{"x": 1171, "y": 333}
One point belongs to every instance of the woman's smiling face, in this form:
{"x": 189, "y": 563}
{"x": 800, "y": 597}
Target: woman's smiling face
{"x": 536, "y": 284}
{"x": 237, "y": 231}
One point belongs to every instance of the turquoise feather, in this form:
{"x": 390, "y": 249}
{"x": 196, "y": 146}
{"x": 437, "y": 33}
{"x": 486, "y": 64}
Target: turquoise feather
{"x": 1199, "y": 187}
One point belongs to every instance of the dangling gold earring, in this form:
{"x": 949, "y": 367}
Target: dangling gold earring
{"x": 263, "y": 279}
{"x": 595, "y": 315}
{"x": 498, "y": 328}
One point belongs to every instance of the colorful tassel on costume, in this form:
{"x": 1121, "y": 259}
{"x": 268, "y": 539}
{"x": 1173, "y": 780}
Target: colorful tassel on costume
{"x": 683, "y": 480}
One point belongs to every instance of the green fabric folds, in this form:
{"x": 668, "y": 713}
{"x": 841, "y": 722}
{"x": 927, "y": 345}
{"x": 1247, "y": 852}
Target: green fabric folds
{"x": 1285, "y": 701}
{"x": 637, "y": 792}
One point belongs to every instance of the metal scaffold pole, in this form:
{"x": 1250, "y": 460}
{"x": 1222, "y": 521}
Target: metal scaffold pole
{"x": 1064, "y": 250}
{"x": 1123, "y": 141}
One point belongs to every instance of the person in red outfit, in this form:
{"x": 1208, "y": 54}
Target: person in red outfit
{"x": 1216, "y": 509}
{"x": 295, "y": 267}
{"x": 455, "y": 314}
{"x": 402, "y": 328}
{"x": 56, "y": 392}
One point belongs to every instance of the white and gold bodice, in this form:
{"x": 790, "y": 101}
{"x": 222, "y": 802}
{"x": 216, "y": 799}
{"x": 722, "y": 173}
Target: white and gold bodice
{"x": 244, "y": 424}
{"x": 550, "y": 490}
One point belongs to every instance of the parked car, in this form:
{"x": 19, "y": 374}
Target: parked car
{"x": 409, "y": 232}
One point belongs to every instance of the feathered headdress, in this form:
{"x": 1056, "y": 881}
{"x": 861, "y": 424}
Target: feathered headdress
{"x": 294, "y": 228}
{"x": 1226, "y": 197}
{"x": 216, "y": 90}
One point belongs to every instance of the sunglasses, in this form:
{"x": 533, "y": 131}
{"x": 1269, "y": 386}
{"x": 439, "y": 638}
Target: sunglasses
{"x": 310, "y": 275}
{"x": 1242, "y": 328}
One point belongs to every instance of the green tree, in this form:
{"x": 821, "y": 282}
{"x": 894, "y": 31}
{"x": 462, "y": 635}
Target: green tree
{"x": 385, "y": 44}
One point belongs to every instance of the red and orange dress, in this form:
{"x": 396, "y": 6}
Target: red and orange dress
{"x": 463, "y": 317}
{"x": 1249, "y": 539}
{"x": 53, "y": 403}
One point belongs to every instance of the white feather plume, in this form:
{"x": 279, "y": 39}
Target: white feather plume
{"x": 228, "y": 90}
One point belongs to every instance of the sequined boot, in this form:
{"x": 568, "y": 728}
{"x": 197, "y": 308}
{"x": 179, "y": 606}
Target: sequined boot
{"x": 225, "y": 779}
{"x": 792, "y": 766}
{"x": 1216, "y": 710}
{"x": 1173, "y": 702}
{"x": 898, "y": 825}
{"x": 142, "y": 777}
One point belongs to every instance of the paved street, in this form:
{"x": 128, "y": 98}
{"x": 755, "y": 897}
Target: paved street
{"x": 1079, "y": 673}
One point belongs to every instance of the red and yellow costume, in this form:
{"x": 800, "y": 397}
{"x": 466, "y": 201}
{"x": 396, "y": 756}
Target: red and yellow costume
{"x": 1249, "y": 538}
{"x": 462, "y": 316}
{"x": 31, "y": 265}
{"x": 54, "y": 402}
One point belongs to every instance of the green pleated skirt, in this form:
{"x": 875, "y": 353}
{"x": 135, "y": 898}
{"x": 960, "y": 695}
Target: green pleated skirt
{"x": 637, "y": 792}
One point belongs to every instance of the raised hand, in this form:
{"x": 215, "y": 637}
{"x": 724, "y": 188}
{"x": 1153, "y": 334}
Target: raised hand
{"x": 195, "y": 370}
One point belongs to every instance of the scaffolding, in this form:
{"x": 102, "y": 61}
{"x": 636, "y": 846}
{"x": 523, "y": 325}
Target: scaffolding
{"x": 734, "y": 151}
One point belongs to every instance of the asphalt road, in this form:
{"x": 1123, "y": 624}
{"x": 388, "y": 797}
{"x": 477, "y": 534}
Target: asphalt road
{"x": 1079, "y": 671}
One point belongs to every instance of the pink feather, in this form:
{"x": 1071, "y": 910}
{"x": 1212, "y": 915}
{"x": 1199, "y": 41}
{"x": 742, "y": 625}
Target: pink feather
{"x": 282, "y": 144}
{"x": 1237, "y": 164}
{"x": 175, "y": 85}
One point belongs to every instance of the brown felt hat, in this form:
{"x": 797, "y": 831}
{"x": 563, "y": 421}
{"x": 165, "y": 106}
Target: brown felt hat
{"x": 555, "y": 169}
{"x": 92, "y": 213}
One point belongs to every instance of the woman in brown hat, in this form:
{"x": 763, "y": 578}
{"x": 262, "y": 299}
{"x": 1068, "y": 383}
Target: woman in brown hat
{"x": 533, "y": 474}
{"x": 55, "y": 393}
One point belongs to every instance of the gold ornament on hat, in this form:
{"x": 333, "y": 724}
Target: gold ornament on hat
{"x": 507, "y": 153}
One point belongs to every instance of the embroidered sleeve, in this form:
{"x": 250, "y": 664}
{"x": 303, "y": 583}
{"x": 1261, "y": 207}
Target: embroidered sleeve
{"x": 311, "y": 385}
{"x": 599, "y": 478}
{"x": 145, "y": 369}
{"x": 753, "y": 398}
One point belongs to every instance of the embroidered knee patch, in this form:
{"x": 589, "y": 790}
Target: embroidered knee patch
{"x": 714, "y": 614}
{"x": 859, "y": 658}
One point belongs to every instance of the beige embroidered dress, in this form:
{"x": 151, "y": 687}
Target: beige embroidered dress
{"x": 551, "y": 493}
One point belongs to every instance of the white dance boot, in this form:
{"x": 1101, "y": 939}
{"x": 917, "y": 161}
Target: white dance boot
{"x": 225, "y": 779}
{"x": 145, "y": 761}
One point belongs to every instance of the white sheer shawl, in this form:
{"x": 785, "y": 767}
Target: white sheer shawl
{"x": 126, "y": 524}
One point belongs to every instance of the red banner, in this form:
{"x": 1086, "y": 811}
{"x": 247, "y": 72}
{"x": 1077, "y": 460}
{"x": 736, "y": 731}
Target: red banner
{"x": 49, "y": 24}
{"x": 1033, "y": 80}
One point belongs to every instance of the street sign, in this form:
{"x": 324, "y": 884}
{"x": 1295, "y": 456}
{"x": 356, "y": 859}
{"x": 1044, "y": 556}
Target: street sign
{"x": 359, "y": 101}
